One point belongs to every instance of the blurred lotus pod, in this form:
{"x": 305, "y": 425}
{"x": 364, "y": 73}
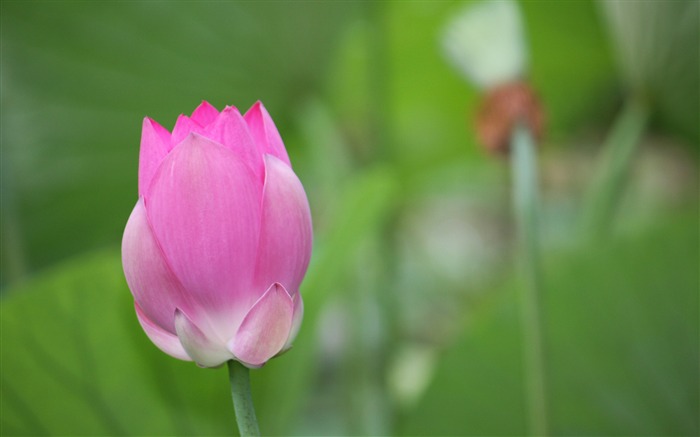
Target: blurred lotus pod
{"x": 486, "y": 43}
{"x": 500, "y": 111}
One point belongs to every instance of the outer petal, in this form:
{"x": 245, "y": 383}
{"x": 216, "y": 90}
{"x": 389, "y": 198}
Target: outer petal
{"x": 265, "y": 329}
{"x": 204, "y": 209}
{"x": 231, "y": 130}
{"x": 265, "y": 132}
{"x": 204, "y": 114}
{"x": 286, "y": 233}
{"x": 156, "y": 289}
{"x": 167, "y": 342}
{"x": 205, "y": 348}
{"x": 155, "y": 144}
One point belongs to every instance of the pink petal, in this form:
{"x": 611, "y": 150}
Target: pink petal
{"x": 265, "y": 328}
{"x": 183, "y": 127}
{"x": 296, "y": 321}
{"x": 204, "y": 114}
{"x": 286, "y": 233}
{"x": 265, "y": 132}
{"x": 204, "y": 209}
{"x": 205, "y": 350}
{"x": 156, "y": 289}
{"x": 167, "y": 342}
{"x": 155, "y": 141}
{"x": 231, "y": 130}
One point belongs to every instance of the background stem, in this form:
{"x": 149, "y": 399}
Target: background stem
{"x": 525, "y": 202}
{"x": 239, "y": 375}
{"x": 617, "y": 154}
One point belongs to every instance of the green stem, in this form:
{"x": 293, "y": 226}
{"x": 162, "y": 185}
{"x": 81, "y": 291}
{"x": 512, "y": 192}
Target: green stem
{"x": 525, "y": 202}
{"x": 617, "y": 154}
{"x": 239, "y": 375}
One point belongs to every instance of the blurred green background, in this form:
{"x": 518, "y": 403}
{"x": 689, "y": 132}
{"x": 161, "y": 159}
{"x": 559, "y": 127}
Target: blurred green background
{"x": 411, "y": 324}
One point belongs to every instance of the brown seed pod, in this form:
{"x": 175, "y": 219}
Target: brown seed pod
{"x": 501, "y": 108}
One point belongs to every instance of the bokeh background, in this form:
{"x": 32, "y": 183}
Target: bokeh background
{"x": 412, "y": 322}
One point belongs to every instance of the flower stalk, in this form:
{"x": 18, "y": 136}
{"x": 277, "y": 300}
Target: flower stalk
{"x": 239, "y": 376}
{"x": 525, "y": 203}
{"x": 617, "y": 155}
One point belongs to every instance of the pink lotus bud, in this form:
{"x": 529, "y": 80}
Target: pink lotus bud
{"x": 220, "y": 238}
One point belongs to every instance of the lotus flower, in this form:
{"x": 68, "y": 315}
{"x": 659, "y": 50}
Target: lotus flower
{"x": 219, "y": 240}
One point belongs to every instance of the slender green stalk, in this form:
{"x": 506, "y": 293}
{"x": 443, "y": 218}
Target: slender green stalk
{"x": 239, "y": 375}
{"x": 617, "y": 155}
{"x": 525, "y": 202}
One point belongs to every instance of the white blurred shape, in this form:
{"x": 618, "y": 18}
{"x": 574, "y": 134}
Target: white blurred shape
{"x": 410, "y": 373}
{"x": 486, "y": 43}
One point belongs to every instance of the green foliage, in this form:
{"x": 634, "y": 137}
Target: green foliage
{"x": 623, "y": 351}
{"x": 75, "y": 362}
{"x": 623, "y": 319}
{"x": 656, "y": 44}
{"x": 622, "y": 339}
{"x": 79, "y": 77}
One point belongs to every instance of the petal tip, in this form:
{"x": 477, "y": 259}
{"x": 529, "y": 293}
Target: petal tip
{"x": 204, "y": 114}
{"x": 149, "y": 123}
{"x": 231, "y": 111}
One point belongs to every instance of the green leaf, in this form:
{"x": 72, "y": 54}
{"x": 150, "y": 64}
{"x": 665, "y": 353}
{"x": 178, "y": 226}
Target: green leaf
{"x": 75, "y": 362}
{"x": 79, "y": 77}
{"x": 623, "y": 344}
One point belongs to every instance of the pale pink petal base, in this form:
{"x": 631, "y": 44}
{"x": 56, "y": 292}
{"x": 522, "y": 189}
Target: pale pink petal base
{"x": 165, "y": 341}
{"x": 265, "y": 329}
{"x": 296, "y": 322}
{"x": 202, "y": 348}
